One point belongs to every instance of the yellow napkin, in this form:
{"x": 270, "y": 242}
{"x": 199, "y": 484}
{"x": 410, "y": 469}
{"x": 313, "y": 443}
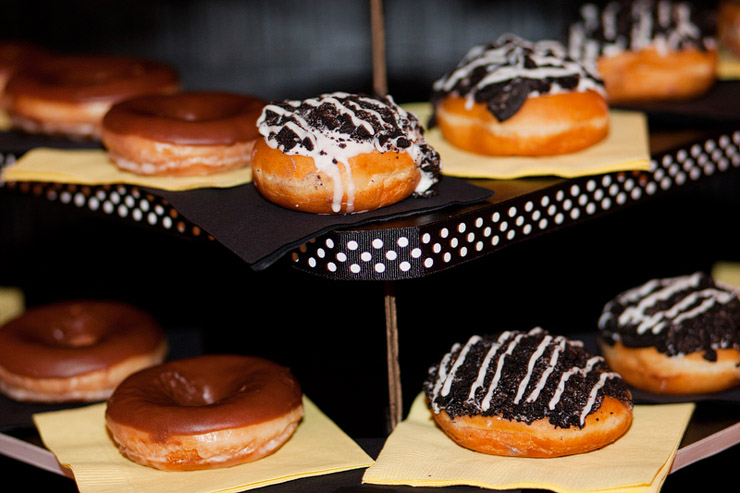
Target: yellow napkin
{"x": 727, "y": 272}
{"x": 92, "y": 167}
{"x": 728, "y": 65}
{"x": 418, "y": 453}
{"x": 78, "y": 439}
{"x": 12, "y": 303}
{"x": 625, "y": 148}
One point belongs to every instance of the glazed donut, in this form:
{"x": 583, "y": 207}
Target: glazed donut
{"x": 516, "y": 98}
{"x": 76, "y": 350}
{"x": 204, "y": 412}
{"x": 728, "y": 25}
{"x": 182, "y": 134}
{"x": 527, "y": 394}
{"x": 342, "y": 153}
{"x": 646, "y": 50}
{"x": 15, "y": 55}
{"x": 69, "y": 95}
{"x": 678, "y": 335}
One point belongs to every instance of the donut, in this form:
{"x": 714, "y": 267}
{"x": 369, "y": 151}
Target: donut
{"x": 728, "y": 26}
{"x": 204, "y": 412}
{"x": 68, "y": 95}
{"x": 76, "y": 350}
{"x": 342, "y": 153}
{"x": 527, "y": 394}
{"x": 646, "y": 50}
{"x": 676, "y": 336}
{"x": 182, "y": 134}
{"x": 513, "y": 97}
{"x": 16, "y": 55}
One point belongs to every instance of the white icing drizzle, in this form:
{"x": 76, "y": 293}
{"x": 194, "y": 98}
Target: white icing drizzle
{"x": 458, "y": 362}
{"x": 505, "y": 60}
{"x": 483, "y": 371}
{"x": 560, "y": 347}
{"x": 641, "y": 299}
{"x": 332, "y": 148}
{"x": 566, "y": 376}
{"x": 592, "y": 395}
{"x": 485, "y": 404}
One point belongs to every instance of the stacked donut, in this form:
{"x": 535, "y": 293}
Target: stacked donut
{"x": 678, "y": 335}
{"x": 646, "y": 50}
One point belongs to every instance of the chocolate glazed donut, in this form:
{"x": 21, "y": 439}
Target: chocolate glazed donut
{"x": 76, "y": 350}
{"x": 70, "y": 94}
{"x": 204, "y": 412}
{"x": 187, "y": 133}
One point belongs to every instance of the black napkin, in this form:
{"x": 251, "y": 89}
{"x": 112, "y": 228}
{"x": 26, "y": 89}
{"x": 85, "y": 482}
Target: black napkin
{"x": 260, "y": 232}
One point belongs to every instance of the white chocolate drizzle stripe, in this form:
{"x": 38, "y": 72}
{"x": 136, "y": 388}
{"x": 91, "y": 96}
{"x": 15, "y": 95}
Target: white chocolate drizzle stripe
{"x": 458, "y": 362}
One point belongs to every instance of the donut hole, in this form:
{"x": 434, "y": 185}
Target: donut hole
{"x": 191, "y": 391}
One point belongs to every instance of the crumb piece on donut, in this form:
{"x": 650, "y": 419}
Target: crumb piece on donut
{"x": 678, "y": 335}
{"x": 204, "y": 412}
{"x": 527, "y": 394}
{"x": 516, "y": 97}
{"x": 342, "y": 153}
{"x": 77, "y": 350}
{"x": 192, "y": 133}
{"x": 647, "y": 50}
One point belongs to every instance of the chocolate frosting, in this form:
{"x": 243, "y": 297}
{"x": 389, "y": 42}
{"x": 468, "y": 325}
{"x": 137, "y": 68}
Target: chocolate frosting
{"x": 203, "y": 394}
{"x": 188, "y": 118}
{"x": 619, "y": 26}
{"x": 677, "y": 315}
{"x": 522, "y": 376}
{"x": 87, "y": 78}
{"x": 504, "y": 73}
{"x": 76, "y": 337}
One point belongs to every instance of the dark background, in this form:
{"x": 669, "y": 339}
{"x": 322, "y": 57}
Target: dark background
{"x": 332, "y": 333}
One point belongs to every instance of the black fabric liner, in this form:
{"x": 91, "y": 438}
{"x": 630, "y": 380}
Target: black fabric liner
{"x": 260, "y": 232}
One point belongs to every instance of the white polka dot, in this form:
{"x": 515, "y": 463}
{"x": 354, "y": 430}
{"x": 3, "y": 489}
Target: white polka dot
{"x": 416, "y": 252}
{"x": 379, "y": 267}
{"x": 122, "y": 210}
{"x": 403, "y": 242}
{"x": 405, "y": 266}
{"x": 354, "y": 268}
{"x": 426, "y": 238}
{"x": 464, "y": 251}
{"x": 79, "y": 199}
{"x": 444, "y": 233}
{"x": 341, "y": 257}
{"x": 461, "y": 227}
{"x": 447, "y": 257}
{"x": 366, "y": 256}
{"x": 167, "y": 222}
{"x": 352, "y": 245}
{"x": 391, "y": 255}
{"x": 320, "y": 252}
{"x": 453, "y": 242}
{"x": 331, "y": 267}
{"x": 377, "y": 243}
{"x": 428, "y": 263}
{"x": 329, "y": 243}
{"x": 311, "y": 262}
{"x": 436, "y": 248}
{"x": 512, "y": 211}
{"x": 471, "y": 237}
{"x": 510, "y": 235}
{"x": 495, "y": 217}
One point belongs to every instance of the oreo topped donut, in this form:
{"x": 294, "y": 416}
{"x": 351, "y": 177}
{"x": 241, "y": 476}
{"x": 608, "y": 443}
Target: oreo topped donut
{"x": 674, "y": 335}
{"x": 527, "y": 394}
{"x": 342, "y": 153}
{"x": 516, "y": 97}
{"x": 647, "y": 49}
